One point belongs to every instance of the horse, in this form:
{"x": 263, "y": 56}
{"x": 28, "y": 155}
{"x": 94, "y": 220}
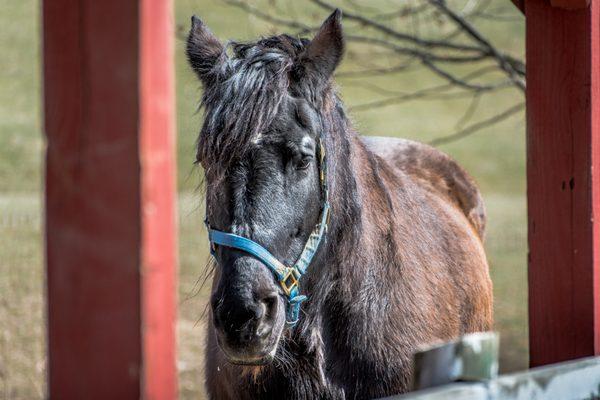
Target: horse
{"x": 336, "y": 256}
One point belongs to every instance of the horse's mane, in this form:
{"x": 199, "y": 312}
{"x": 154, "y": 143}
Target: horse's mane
{"x": 241, "y": 98}
{"x": 244, "y": 96}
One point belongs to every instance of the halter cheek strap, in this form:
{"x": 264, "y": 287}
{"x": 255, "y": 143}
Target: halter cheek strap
{"x": 288, "y": 277}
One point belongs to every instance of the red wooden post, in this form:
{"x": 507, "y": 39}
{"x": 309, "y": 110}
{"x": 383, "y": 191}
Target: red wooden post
{"x": 563, "y": 167}
{"x": 110, "y": 208}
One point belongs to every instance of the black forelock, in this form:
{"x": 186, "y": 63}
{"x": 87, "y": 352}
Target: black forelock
{"x": 284, "y": 43}
{"x": 242, "y": 101}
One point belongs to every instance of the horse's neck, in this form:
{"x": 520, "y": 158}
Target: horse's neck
{"x": 361, "y": 211}
{"x": 352, "y": 211}
{"x": 344, "y": 243}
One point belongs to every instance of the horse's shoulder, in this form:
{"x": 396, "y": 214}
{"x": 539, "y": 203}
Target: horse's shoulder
{"x": 435, "y": 169}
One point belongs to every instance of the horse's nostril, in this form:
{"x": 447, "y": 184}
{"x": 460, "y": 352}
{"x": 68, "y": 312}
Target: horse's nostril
{"x": 247, "y": 323}
{"x": 269, "y": 304}
{"x": 260, "y": 310}
{"x": 246, "y": 337}
{"x": 297, "y": 232}
{"x": 271, "y": 297}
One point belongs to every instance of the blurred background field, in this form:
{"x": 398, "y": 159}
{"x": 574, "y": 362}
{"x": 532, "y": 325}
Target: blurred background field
{"x": 494, "y": 156}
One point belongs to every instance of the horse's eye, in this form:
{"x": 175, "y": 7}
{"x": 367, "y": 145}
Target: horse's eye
{"x": 304, "y": 162}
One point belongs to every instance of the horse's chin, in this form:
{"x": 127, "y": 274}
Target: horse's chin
{"x": 251, "y": 360}
{"x": 261, "y": 358}
{"x": 255, "y": 362}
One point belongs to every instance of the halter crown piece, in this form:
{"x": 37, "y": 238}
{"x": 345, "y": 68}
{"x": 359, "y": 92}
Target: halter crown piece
{"x": 288, "y": 277}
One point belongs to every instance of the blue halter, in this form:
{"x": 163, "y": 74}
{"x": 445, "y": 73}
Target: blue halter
{"x": 288, "y": 277}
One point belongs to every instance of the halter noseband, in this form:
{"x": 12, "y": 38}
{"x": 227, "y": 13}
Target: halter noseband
{"x": 288, "y": 277}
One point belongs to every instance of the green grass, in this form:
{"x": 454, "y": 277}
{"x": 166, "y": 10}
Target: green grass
{"x": 20, "y": 138}
{"x": 494, "y": 156}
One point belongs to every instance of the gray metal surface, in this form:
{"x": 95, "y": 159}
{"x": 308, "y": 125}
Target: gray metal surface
{"x": 572, "y": 380}
{"x": 472, "y": 357}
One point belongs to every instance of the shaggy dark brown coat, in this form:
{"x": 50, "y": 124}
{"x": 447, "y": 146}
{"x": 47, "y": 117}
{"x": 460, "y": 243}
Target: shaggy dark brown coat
{"x": 403, "y": 263}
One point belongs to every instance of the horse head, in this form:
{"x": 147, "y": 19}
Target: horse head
{"x": 260, "y": 146}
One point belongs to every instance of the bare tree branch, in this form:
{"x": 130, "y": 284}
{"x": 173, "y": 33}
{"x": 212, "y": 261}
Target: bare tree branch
{"x": 469, "y": 112}
{"x": 270, "y": 18}
{"x": 396, "y": 34}
{"x": 409, "y": 51}
{"x": 442, "y": 41}
{"x": 477, "y": 126}
{"x": 452, "y": 79}
{"x": 402, "y": 12}
{"x": 434, "y": 92}
{"x": 376, "y": 71}
{"x": 503, "y": 61}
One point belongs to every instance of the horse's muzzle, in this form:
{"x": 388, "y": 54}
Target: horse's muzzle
{"x": 245, "y": 332}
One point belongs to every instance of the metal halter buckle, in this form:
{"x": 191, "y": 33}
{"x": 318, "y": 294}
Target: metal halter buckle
{"x": 289, "y": 282}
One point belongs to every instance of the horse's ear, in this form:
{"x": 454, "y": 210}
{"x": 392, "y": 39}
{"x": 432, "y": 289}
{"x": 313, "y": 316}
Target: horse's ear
{"x": 323, "y": 54}
{"x": 204, "y": 51}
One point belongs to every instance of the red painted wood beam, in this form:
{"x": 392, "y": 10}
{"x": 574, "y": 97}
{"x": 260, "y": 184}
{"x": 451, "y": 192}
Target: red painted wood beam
{"x": 570, "y": 4}
{"x": 110, "y": 206}
{"x": 563, "y": 167}
{"x": 566, "y": 4}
